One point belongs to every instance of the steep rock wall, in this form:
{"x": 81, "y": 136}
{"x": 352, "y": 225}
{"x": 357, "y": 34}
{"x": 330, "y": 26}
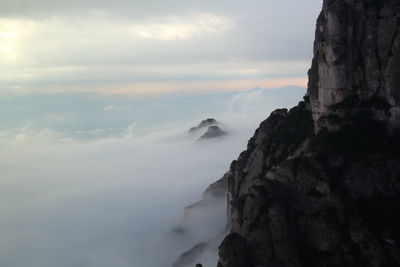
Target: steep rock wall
{"x": 356, "y": 54}
{"x": 300, "y": 199}
{"x": 319, "y": 185}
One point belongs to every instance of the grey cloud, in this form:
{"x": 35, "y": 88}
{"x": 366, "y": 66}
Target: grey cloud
{"x": 135, "y": 8}
{"x": 104, "y": 203}
{"x": 265, "y": 30}
{"x": 68, "y": 40}
{"x": 109, "y": 202}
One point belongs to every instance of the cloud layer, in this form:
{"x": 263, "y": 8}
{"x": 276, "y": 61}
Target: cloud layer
{"x": 111, "y": 199}
{"x": 134, "y": 46}
{"x": 89, "y": 204}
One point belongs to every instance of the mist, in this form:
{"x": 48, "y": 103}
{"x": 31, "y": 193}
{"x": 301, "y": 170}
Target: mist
{"x": 115, "y": 200}
{"x": 66, "y": 202}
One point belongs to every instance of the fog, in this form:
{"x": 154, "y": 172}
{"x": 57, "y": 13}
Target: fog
{"x": 61, "y": 205}
{"x": 114, "y": 200}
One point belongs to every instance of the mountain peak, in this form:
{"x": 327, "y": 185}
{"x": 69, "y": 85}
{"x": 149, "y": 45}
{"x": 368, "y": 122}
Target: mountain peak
{"x": 319, "y": 184}
{"x": 357, "y": 56}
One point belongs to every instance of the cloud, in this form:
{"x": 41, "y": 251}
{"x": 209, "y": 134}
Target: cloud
{"x": 12, "y": 34}
{"x": 29, "y": 136}
{"x": 176, "y": 28}
{"x": 118, "y": 108}
{"x": 76, "y": 204}
{"x": 85, "y": 45}
{"x": 113, "y": 199}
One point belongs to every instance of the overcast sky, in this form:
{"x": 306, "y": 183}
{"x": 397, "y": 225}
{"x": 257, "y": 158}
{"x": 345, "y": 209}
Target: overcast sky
{"x": 131, "y": 46}
{"x": 77, "y": 168}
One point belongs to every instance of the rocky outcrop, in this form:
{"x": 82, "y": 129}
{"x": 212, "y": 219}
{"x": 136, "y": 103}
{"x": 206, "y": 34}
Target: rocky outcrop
{"x": 300, "y": 199}
{"x": 203, "y": 124}
{"x": 207, "y": 129}
{"x": 212, "y": 132}
{"x": 319, "y": 185}
{"x": 357, "y": 54}
{"x": 202, "y": 222}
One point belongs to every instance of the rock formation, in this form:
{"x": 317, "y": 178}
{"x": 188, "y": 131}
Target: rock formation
{"x": 212, "y": 132}
{"x": 356, "y": 54}
{"x": 319, "y": 185}
{"x": 203, "y": 223}
{"x": 207, "y": 129}
{"x": 203, "y": 124}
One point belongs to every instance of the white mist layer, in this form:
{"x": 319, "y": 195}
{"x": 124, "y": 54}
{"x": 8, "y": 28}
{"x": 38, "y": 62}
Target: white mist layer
{"x": 87, "y": 204}
{"x": 113, "y": 201}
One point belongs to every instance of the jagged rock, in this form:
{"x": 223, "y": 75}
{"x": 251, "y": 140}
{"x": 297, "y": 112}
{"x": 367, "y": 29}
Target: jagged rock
{"x": 319, "y": 185}
{"x": 217, "y": 190}
{"x": 201, "y": 222}
{"x": 300, "y": 199}
{"x": 356, "y": 54}
{"x": 203, "y": 124}
{"x": 233, "y": 251}
{"x": 207, "y": 129}
{"x": 212, "y": 132}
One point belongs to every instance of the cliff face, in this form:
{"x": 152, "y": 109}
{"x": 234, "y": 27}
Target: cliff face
{"x": 356, "y": 53}
{"x": 319, "y": 185}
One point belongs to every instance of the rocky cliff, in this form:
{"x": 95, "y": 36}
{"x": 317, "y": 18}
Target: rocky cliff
{"x": 319, "y": 185}
{"x": 356, "y": 54}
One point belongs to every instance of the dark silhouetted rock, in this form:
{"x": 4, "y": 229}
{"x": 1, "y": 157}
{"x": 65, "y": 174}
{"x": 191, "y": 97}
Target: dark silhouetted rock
{"x": 331, "y": 199}
{"x": 207, "y": 129}
{"x": 233, "y": 251}
{"x": 212, "y": 132}
{"x": 319, "y": 185}
{"x": 203, "y": 125}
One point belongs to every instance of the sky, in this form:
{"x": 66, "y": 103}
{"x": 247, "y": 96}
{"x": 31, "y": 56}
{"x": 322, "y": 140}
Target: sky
{"x": 154, "y": 46}
{"x": 96, "y": 99}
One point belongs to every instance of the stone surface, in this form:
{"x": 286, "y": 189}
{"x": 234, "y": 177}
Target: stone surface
{"x": 233, "y": 251}
{"x": 319, "y": 185}
{"x": 207, "y": 129}
{"x": 212, "y": 132}
{"x": 300, "y": 199}
{"x": 203, "y": 124}
{"x": 357, "y": 54}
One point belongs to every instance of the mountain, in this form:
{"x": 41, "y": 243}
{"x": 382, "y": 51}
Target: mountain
{"x": 319, "y": 185}
{"x": 213, "y": 132}
{"x": 203, "y": 124}
{"x": 207, "y": 129}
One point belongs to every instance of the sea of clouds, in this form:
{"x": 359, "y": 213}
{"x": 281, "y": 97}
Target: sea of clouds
{"x": 112, "y": 198}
